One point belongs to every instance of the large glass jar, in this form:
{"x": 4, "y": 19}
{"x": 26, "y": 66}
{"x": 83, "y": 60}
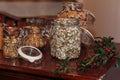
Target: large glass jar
{"x": 66, "y": 38}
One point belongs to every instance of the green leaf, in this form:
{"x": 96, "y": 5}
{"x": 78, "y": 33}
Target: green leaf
{"x": 65, "y": 70}
{"x": 67, "y": 59}
{"x": 112, "y": 46}
{"x": 118, "y": 62}
{"x": 65, "y": 62}
{"x": 102, "y": 51}
{"x": 57, "y": 71}
{"x": 104, "y": 62}
{"x": 83, "y": 65}
{"x": 60, "y": 63}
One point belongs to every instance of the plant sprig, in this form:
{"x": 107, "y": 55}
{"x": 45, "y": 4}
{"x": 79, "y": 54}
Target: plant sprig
{"x": 104, "y": 50}
{"x": 62, "y": 66}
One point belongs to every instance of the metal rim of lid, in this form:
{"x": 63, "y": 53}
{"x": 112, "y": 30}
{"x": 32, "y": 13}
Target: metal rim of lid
{"x": 86, "y": 33}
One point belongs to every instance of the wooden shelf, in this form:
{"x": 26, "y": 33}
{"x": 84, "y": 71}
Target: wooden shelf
{"x": 38, "y": 0}
{"x": 19, "y": 69}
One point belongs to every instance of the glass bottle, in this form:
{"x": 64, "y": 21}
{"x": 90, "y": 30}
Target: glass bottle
{"x": 66, "y": 38}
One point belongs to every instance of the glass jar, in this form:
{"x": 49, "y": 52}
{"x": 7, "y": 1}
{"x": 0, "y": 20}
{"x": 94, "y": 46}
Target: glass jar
{"x": 10, "y": 47}
{"x": 75, "y": 10}
{"x": 35, "y": 38}
{"x": 66, "y": 38}
{"x": 1, "y": 36}
{"x": 11, "y": 41}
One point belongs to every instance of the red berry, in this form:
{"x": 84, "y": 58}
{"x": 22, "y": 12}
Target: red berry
{"x": 95, "y": 64}
{"x": 92, "y": 55}
{"x": 103, "y": 47}
{"x": 85, "y": 59}
{"x": 58, "y": 66}
{"x": 108, "y": 50}
{"x": 105, "y": 58}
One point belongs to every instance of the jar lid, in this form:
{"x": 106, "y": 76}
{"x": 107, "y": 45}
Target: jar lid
{"x": 86, "y": 36}
{"x": 30, "y": 53}
{"x": 67, "y": 21}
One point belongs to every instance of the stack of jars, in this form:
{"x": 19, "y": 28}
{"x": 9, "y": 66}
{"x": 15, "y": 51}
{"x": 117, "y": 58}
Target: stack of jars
{"x": 70, "y": 30}
{"x": 27, "y": 35}
{"x": 11, "y": 42}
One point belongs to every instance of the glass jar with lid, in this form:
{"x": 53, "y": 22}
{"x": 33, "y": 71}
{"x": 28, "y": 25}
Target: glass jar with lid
{"x": 75, "y": 10}
{"x": 11, "y": 41}
{"x": 34, "y": 38}
{"x": 10, "y": 47}
{"x": 1, "y": 36}
{"x": 34, "y": 35}
{"x": 66, "y": 38}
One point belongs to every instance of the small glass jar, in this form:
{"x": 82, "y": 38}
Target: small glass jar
{"x": 66, "y": 38}
{"x": 1, "y": 36}
{"x": 10, "y": 47}
{"x": 35, "y": 38}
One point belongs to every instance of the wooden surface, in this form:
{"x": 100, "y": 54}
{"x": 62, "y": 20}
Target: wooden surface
{"x": 37, "y": 0}
{"x": 19, "y": 69}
